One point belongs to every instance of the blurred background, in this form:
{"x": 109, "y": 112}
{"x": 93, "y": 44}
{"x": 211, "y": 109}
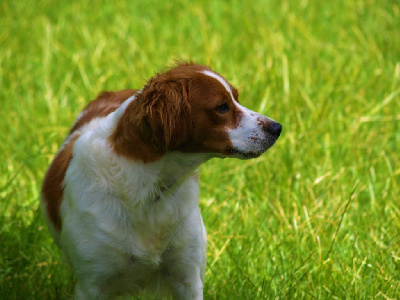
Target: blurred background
{"x": 316, "y": 217}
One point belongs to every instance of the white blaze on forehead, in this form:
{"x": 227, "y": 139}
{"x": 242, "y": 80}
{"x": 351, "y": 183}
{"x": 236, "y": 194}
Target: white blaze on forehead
{"x": 221, "y": 80}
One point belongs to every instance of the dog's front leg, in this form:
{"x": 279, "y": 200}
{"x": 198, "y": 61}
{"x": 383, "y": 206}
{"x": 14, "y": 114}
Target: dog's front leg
{"x": 185, "y": 261}
{"x": 188, "y": 286}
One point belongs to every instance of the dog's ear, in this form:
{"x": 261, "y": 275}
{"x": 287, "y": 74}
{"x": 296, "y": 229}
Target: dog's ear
{"x": 163, "y": 114}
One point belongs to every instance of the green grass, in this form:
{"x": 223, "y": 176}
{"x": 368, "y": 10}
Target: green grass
{"x": 317, "y": 217}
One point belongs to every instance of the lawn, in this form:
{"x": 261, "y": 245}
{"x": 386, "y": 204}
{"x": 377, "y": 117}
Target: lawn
{"x": 316, "y": 217}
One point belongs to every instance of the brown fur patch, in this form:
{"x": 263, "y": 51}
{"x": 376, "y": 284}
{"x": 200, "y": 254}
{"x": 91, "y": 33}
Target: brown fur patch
{"x": 157, "y": 121}
{"x": 53, "y": 184}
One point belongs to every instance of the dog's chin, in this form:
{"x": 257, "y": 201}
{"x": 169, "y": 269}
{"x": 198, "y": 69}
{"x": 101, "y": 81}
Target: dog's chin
{"x": 248, "y": 154}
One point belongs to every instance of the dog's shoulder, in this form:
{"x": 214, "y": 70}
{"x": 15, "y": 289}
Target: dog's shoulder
{"x": 103, "y": 105}
{"x": 53, "y": 184}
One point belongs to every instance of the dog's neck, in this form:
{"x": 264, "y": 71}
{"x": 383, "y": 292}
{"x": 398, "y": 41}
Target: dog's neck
{"x": 176, "y": 167}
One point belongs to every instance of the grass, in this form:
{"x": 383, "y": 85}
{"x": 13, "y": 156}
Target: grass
{"x": 318, "y": 217}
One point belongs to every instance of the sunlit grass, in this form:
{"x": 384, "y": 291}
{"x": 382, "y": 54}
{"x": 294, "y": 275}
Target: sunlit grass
{"x": 318, "y": 216}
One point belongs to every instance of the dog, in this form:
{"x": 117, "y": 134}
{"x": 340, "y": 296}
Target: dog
{"x": 121, "y": 195}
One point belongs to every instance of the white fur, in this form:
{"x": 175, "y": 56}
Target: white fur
{"x": 129, "y": 225}
{"x": 249, "y": 136}
{"x": 221, "y": 80}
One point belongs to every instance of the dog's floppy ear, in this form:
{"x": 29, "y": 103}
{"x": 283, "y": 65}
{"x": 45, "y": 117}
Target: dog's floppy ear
{"x": 163, "y": 114}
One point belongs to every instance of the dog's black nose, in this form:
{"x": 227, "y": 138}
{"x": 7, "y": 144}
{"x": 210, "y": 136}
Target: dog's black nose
{"x": 275, "y": 128}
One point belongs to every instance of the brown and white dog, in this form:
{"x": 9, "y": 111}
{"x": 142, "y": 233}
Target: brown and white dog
{"x": 121, "y": 195}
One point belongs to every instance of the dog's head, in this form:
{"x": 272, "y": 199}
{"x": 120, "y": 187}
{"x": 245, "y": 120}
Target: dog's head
{"x": 191, "y": 108}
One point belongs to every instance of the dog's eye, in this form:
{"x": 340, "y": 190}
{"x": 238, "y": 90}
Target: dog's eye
{"x": 223, "y": 108}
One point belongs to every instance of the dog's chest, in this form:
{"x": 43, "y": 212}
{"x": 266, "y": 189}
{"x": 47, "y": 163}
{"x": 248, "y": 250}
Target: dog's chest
{"x": 153, "y": 230}
{"x": 151, "y": 246}
{"x": 124, "y": 216}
